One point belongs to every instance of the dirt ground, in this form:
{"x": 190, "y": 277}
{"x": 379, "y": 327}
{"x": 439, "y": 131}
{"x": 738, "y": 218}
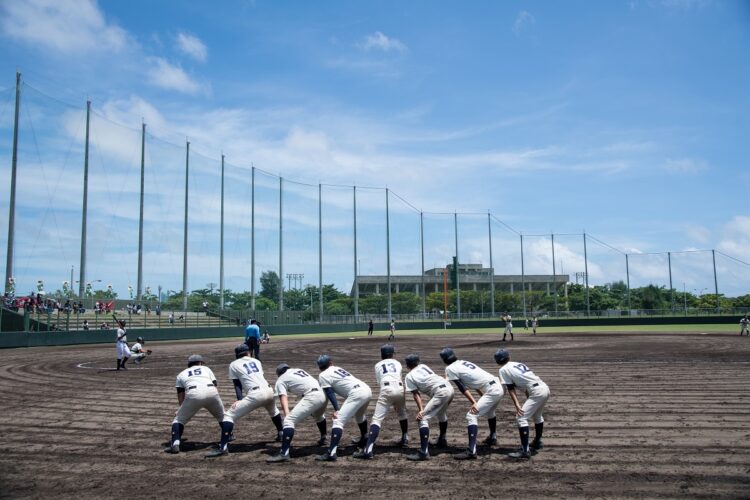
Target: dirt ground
{"x": 646, "y": 415}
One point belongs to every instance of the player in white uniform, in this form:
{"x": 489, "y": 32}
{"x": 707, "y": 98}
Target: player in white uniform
{"x": 508, "y": 326}
{"x": 744, "y": 322}
{"x": 514, "y": 376}
{"x": 468, "y": 376}
{"x": 246, "y": 373}
{"x": 334, "y": 380}
{"x": 312, "y": 403}
{"x": 196, "y": 389}
{"x": 422, "y": 380}
{"x": 388, "y": 376}
{"x": 123, "y": 351}
{"x": 138, "y": 352}
{"x": 534, "y": 324}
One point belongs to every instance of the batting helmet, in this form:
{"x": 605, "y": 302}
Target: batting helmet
{"x": 387, "y": 351}
{"x": 140, "y": 339}
{"x": 502, "y": 356}
{"x": 324, "y": 361}
{"x": 194, "y": 359}
{"x": 412, "y": 361}
{"x": 241, "y": 350}
{"x": 281, "y": 369}
{"x": 447, "y": 355}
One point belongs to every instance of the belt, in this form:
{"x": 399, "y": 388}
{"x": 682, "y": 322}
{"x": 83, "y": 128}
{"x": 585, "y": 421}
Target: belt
{"x": 388, "y": 383}
{"x": 312, "y": 390}
{"x": 195, "y": 386}
{"x": 441, "y": 386}
{"x": 492, "y": 383}
{"x": 356, "y": 387}
{"x": 534, "y": 385}
{"x": 254, "y": 388}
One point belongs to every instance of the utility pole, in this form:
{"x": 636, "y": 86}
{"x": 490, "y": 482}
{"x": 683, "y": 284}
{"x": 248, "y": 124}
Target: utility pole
{"x": 12, "y": 205}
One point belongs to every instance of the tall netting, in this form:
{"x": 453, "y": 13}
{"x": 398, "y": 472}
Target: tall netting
{"x": 406, "y": 260}
{"x": 204, "y": 217}
{"x": 732, "y": 276}
{"x": 338, "y": 248}
{"x": 237, "y": 228}
{"x": 164, "y": 216}
{"x": 474, "y": 254}
{"x": 113, "y": 205}
{"x": 301, "y": 253}
{"x": 267, "y": 198}
{"x": 371, "y": 251}
{"x": 48, "y": 193}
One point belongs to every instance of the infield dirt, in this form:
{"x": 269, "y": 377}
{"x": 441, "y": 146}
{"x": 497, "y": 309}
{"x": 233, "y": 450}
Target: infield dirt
{"x": 646, "y": 415}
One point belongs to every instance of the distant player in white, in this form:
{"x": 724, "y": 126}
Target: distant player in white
{"x": 312, "y": 403}
{"x": 196, "y": 389}
{"x": 388, "y": 375}
{"x": 138, "y": 353}
{"x": 422, "y": 380}
{"x": 246, "y": 373}
{"x": 744, "y": 322}
{"x": 123, "y": 351}
{"x": 534, "y": 324}
{"x": 467, "y": 376}
{"x": 334, "y": 380}
{"x": 508, "y": 326}
{"x": 514, "y": 376}
{"x": 392, "y": 328}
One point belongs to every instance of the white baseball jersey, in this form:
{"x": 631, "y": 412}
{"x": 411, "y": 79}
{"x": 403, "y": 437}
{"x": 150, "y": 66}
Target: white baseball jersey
{"x": 121, "y": 335}
{"x": 424, "y": 380}
{"x": 249, "y": 371}
{"x": 509, "y": 320}
{"x": 195, "y": 376}
{"x": 295, "y": 381}
{"x": 470, "y": 375}
{"x": 341, "y": 381}
{"x": 137, "y": 347}
{"x": 388, "y": 370}
{"x": 518, "y": 374}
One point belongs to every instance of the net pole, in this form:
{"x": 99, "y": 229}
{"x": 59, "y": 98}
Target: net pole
{"x": 12, "y": 203}
{"x": 492, "y": 267}
{"x": 84, "y": 211}
{"x": 139, "y": 285}
{"x": 356, "y": 271}
{"x": 388, "y": 251}
{"x": 221, "y": 240}
{"x": 185, "y": 230}
{"x": 554, "y": 273}
{"x": 252, "y": 239}
{"x": 458, "y": 279}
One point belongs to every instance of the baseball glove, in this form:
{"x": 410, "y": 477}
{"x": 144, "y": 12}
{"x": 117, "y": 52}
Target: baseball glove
{"x": 148, "y": 352}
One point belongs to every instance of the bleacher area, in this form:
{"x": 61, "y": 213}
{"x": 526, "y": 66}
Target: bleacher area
{"x": 59, "y": 320}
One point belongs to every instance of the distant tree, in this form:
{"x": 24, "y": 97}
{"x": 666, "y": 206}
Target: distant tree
{"x": 339, "y": 307}
{"x": 265, "y": 304}
{"x": 373, "y": 304}
{"x": 405, "y": 303}
{"x": 269, "y": 285}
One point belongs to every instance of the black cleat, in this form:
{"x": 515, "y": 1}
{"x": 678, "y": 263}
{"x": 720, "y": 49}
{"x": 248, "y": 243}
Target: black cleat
{"x": 277, "y": 459}
{"x": 440, "y": 443}
{"x": 537, "y": 445}
{"x": 465, "y": 455}
{"x": 217, "y": 453}
{"x": 403, "y": 442}
{"x": 363, "y": 455}
{"x": 322, "y": 441}
{"x": 326, "y": 457}
{"x": 490, "y": 440}
{"x": 520, "y": 454}
{"x": 418, "y": 457}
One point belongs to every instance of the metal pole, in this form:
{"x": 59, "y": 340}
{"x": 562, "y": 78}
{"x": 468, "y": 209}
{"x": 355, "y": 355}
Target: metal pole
{"x": 554, "y": 273}
{"x": 388, "y": 250}
{"x": 627, "y": 277}
{"x": 12, "y": 206}
{"x": 84, "y": 214}
{"x": 716, "y": 283}
{"x": 139, "y": 285}
{"x": 421, "y": 245}
{"x": 252, "y": 241}
{"x": 586, "y": 276}
{"x": 185, "y": 230}
{"x": 523, "y": 280}
{"x": 492, "y": 267}
{"x": 458, "y": 267}
{"x": 671, "y": 290}
{"x": 221, "y": 241}
{"x": 320, "y": 251}
{"x": 356, "y": 271}
{"x": 281, "y": 244}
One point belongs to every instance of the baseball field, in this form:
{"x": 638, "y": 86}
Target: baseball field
{"x": 650, "y": 414}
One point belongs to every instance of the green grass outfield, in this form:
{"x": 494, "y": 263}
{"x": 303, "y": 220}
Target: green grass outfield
{"x": 697, "y": 328}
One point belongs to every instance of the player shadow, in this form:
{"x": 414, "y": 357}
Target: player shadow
{"x": 235, "y": 447}
{"x": 186, "y": 445}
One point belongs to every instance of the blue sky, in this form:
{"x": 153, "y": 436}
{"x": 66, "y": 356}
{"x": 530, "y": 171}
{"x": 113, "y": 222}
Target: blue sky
{"x": 625, "y": 119}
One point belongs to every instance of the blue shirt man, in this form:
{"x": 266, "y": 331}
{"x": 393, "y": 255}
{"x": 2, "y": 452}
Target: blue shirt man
{"x": 252, "y": 338}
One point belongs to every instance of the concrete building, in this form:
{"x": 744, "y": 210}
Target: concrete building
{"x": 470, "y": 277}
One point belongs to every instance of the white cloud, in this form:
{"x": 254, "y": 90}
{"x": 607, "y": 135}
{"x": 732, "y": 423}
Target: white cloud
{"x": 171, "y": 77}
{"x": 697, "y": 233}
{"x": 192, "y": 46}
{"x": 379, "y": 41}
{"x": 686, "y": 166}
{"x": 523, "y": 22}
{"x": 64, "y": 26}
